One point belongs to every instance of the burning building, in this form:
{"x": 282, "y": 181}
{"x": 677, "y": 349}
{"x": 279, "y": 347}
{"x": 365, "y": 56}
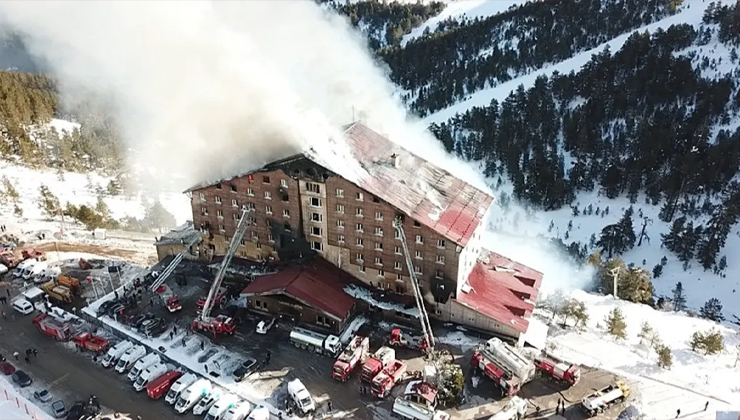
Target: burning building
{"x": 344, "y": 211}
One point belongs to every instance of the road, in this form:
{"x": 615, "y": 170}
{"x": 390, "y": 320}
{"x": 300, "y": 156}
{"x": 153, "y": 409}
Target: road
{"x": 73, "y": 375}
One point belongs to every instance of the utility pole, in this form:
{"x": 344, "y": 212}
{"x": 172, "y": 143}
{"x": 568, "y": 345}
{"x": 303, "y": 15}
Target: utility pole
{"x": 615, "y": 277}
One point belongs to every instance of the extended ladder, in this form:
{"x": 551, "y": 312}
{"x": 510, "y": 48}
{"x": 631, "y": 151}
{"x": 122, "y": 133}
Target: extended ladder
{"x": 426, "y": 327}
{"x": 173, "y": 264}
{"x": 241, "y": 228}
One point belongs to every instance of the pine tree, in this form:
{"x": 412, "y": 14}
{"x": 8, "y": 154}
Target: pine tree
{"x": 615, "y": 324}
{"x": 158, "y": 217}
{"x": 712, "y": 309}
{"x": 10, "y": 191}
{"x": 48, "y": 202}
{"x": 646, "y": 332}
{"x": 635, "y": 286}
{"x": 17, "y": 211}
{"x": 665, "y": 358}
{"x": 577, "y": 310}
{"x": 679, "y": 298}
{"x": 657, "y": 271}
{"x": 708, "y": 342}
{"x": 554, "y": 302}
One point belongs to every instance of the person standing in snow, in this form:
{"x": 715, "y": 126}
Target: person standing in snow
{"x": 706, "y": 406}
{"x": 678, "y": 412}
{"x": 16, "y": 354}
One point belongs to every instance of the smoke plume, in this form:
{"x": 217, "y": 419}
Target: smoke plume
{"x": 210, "y": 89}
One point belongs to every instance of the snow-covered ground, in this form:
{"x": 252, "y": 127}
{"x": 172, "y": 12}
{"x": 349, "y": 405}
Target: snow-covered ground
{"x": 462, "y": 9}
{"x": 14, "y": 405}
{"x": 693, "y": 379}
{"x": 691, "y": 13}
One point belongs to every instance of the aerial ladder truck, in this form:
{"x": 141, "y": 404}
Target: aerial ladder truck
{"x": 173, "y": 264}
{"x": 221, "y": 324}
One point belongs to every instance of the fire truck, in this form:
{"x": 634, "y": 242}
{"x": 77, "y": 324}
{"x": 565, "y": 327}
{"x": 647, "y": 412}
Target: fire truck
{"x": 170, "y": 299}
{"x": 377, "y": 362}
{"x": 400, "y": 338}
{"x": 90, "y": 342}
{"x": 504, "y": 365}
{"x": 60, "y": 330}
{"x": 319, "y": 343}
{"x": 218, "y": 299}
{"x": 600, "y": 400}
{"x": 384, "y": 382}
{"x": 350, "y": 358}
{"x": 220, "y": 325}
{"x": 557, "y": 369}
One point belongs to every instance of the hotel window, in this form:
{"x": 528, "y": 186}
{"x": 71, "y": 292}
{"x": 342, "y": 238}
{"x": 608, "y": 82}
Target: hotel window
{"x": 266, "y": 179}
{"x": 317, "y": 217}
{"x": 268, "y": 222}
{"x": 268, "y": 209}
{"x": 270, "y": 238}
{"x": 396, "y": 234}
{"x": 417, "y": 224}
{"x": 250, "y": 192}
{"x": 317, "y": 246}
{"x": 219, "y": 214}
{"x": 379, "y": 231}
{"x": 378, "y": 246}
{"x": 314, "y": 188}
{"x": 417, "y": 269}
{"x": 315, "y": 202}
{"x": 439, "y": 274}
{"x": 440, "y": 259}
{"x": 268, "y": 195}
{"x": 359, "y": 227}
{"x": 221, "y": 228}
{"x": 286, "y": 213}
{"x": 218, "y": 186}
{"x": 397, "y": 250}
{"x": 419, "y": 255}
{"x": 419, "y": 239}
{"x": 397, "y": 265}
{"x": 340, "y": 193}
{"x": 340, "y": 224}
{"x": 204, "y": 211}
{"x": 359, "y": 196}
{"x": 218, "y": 200}
{"x": 315, "y": 231}
{"x": 340, "y": 208}
{"x": 441, "y": 243}
{"x": 234, "y": 203}
{"x": 378, "y": 261}
{"x": 284, "y": 183}
{"x": 233, "y": 188}
{"x": 359, "y": 212}
{"x": 359, "y": 242}
{"x": 381, "y": 273}
{"x": 359, "y": 258}
{"x": 340, "y": 239}
{"x": 202, "y": 197}
{"x": 378, "y": 215}
{"x": 361, "y": 269}
{"x": 236, "y": 216}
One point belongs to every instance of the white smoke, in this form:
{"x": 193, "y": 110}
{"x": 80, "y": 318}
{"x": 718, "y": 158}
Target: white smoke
{"x": 210, "y": 89}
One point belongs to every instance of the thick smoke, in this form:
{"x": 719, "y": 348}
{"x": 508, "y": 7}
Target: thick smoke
{"x": 209, "y": 89}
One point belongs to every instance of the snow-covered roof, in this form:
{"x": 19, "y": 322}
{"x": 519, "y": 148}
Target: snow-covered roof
{"x": 373, "y": 300}
{"x": 419, "y": 189}
{"x": 13, "y": 406}
{"x": 183, "y": 233}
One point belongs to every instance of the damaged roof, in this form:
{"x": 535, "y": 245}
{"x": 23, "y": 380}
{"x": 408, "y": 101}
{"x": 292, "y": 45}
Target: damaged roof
{"x": 184, "y": 233}
{"x": 501, "y": 289}
{"x": 318, "y": 284}
{"x": 421, "y": 190}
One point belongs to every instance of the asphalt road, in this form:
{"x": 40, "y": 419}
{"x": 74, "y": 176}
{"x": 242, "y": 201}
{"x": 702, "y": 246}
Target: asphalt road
{"x": 74, "y": 375}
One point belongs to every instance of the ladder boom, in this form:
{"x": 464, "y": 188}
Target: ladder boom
{"x": 426, "y": 327}
{"x": 173, "y": 264}
{"x": 241, "y": 228}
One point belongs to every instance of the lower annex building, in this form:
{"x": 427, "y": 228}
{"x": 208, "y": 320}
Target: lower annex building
{"x": 342, "y": 211}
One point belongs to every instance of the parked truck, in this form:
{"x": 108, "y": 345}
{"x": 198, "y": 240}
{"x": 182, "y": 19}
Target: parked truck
{"x": 600, "y": 400}
{"x": 115, "y": 353}
{"x": 129, "y": 358}
{"x": 219, "y": 299}
{"x": 316, "y": 342}
{"x": 70, "y": 283}
{"x": 351, "y": 357}
{"x": 384, "y": 382}
{"x": 508, "y": 369}
{"x": 58, "y": 292}
{"x": 90, "y": 342}
{"x": 515, "y": 409}
{"x": 142, "y": 364}
{"x": 407, "y": 339}
{"x": 170, "y": 300}
{"x": 178, "y": 387}
{"x": 193, "y": 394}
{"x": 149, "y": 374}
{"x": 557, "y": 370}
{"x": 377, "y": 362}
{"x": 410, "y": 410}
{"x": 58, "y": 329}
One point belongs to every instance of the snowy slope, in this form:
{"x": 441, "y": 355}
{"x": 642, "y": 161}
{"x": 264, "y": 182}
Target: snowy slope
{"x": 693, "y": 379}
{"x": 691, "y": 13}
{"x": 462, "y": 9}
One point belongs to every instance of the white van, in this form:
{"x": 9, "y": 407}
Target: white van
{"x": 301, "y": 396}
{"x": 222, "y": 405}
{"x": 207, "y": 402}
{"x": 174, "y": 393}
{"x": 128, "y": 359}
{"x": 193, "y": 394}
{"x": 35, "y": 269}
{"x": 18, "y": 271}
{"x": 23, "y": 306}
{"x": 239, "y": 412}
{"x": 149, "y": 374}
{"x": 46, "y": 275}
{"x": 259, "y": 413}
{"x": 115, "y": 353}
{"x": 142, "y": 364}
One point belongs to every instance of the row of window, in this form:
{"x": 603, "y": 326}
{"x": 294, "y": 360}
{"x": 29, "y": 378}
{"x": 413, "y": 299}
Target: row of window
{"x": 381, "y": 273}
{"x": 360, "y": 258}
{"x": 360, "y": 243}
{"x": 235, "y": 203}
{"x": 250, "y": 179}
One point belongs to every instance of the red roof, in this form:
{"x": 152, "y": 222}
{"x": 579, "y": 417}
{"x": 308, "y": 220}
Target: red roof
{"x": 424, "y": 390}
{"x": 502, "y": 289}
{"x": 426, "y": 193}
{"x": 318, "y": 284}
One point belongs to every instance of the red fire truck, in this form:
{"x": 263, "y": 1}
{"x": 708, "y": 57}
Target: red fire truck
{"x": 384, "y": 382}
{"x": 557, "y": 369}
{"x": 350, "y": 358}
{"x": 377, "y": 362}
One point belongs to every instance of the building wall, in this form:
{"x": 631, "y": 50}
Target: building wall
{"x": 453, "y": 311}
{"x": 469, "y": 254}
{"x": 274, "y": 219}
{"x": 304, "y": 315}
{"x": 348, "y": 206}
{"x": 169, "y": 249}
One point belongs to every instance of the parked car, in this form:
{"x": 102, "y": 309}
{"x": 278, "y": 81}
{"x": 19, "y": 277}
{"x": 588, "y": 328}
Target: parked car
{"x": 137, "y": 321}
{"x": 23, "y": 306}
{"x": 105, "y": 306}
{"x": 77, "y": 411}
{"x": 265, "y": 325}
{"x": 245, "y": 369}
{"x": 22, "y": 379}
{"x": 58, "y": 408}
{"x": 6, "y": 368}
{"x": 158, "y": 330}
{"x": 42, "y": 395}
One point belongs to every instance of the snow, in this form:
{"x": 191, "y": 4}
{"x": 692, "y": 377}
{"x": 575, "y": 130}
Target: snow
{"x": 365, "y": 294}
{"x": 352, "y": 328}
{"x": 459, "y": 339}
{"x": 462, "y": 9}
{"x": 693, "y": 378}
{"x": 691, "y": 13}
{"x": 14, "y": 406}
{"x": 536, "y": 334}
{"x": 63, "y": 126}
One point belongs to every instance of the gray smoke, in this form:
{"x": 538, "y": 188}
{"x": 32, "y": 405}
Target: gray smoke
{"x": 208, "y": 89}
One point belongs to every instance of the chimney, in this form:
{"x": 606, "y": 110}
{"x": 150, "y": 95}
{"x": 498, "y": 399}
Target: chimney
{"x": 396, "y": 160}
